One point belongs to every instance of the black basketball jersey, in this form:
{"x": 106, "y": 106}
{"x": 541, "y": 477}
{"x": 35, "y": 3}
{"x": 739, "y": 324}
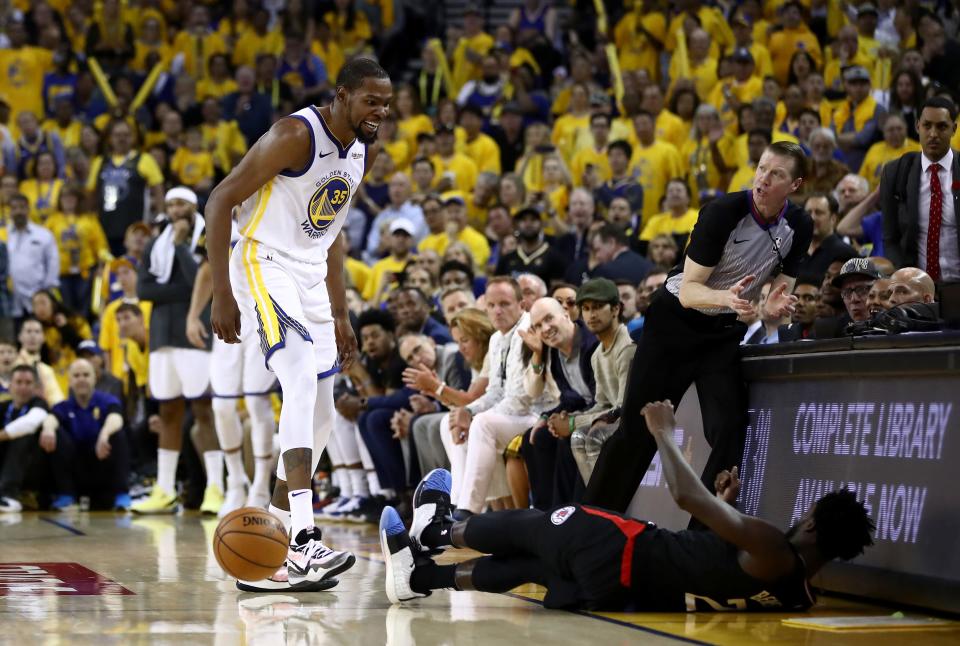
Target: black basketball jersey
{"x": 699, "y": 571}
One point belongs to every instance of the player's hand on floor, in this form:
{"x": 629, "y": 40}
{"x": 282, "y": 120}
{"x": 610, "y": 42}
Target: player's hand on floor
{"x": 225, "y": 317}
{"x": 659, "y": 417}
{"x": 727, "y": 485}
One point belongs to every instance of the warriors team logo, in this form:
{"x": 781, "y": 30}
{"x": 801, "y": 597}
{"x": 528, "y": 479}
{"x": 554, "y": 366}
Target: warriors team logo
{"x": 331, "y": 196}
{"x": 560, "y": 516}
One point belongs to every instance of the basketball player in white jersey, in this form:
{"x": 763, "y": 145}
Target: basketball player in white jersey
{"x": 286, "y": 278}
{"x": 237, "y": 371}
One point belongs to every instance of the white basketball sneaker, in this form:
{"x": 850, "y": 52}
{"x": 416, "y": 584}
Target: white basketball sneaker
{"x": 280, "y": 582}
{"x": 234, "y": 498}
{"x": 308, "y": 559}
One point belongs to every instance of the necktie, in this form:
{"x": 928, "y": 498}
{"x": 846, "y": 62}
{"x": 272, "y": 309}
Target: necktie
{"x": 936, "y": 220}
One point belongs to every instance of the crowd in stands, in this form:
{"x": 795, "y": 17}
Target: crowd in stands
{"x": 540, "y": 179}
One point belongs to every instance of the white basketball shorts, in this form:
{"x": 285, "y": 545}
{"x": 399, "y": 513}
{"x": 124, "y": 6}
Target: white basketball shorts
{"x": 179, "y": 372}
{"x": 237, "y": 369}
{"x": 279, "y": 295}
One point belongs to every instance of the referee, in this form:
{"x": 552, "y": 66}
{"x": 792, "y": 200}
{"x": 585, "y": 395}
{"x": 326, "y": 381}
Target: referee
{"x": 691, "y": 333}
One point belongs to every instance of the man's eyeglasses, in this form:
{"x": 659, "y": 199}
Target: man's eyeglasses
{"x": 859, "y": 290}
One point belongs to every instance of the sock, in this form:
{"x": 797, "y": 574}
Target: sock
{"x": 433, "y": 577}
{"x": 373, "y": 483}
{"x": 344, "y": 482}
{"x": 167, "y": 470}
{"x": 437, "y": 535}
{"x": 301, "y": 511}
{"x": 261, "y": 473}
{"x": 358, "y": 482}
{"x": 282, "y": 514}
{"x": 389, "y": 494}
{"x": 213, "y": 464}
{"x": 236, "y": 475}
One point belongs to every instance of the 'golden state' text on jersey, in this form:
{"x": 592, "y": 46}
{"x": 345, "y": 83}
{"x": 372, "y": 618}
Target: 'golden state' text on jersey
{"x": 300, "y": 211}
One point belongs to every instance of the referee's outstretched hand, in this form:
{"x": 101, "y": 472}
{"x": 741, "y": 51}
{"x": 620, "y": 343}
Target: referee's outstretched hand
{"x": 741, "y": 306}
{"x": 779, "y": 303}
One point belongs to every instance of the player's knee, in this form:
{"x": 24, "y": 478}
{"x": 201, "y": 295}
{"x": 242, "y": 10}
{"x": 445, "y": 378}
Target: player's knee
{"x": 223, "y": 407}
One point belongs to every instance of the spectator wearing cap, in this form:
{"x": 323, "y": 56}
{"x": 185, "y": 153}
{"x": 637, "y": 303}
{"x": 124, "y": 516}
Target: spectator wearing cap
{"x": 920, "y": 198}
{"x": 655, "y": 163}
{"x": 743, "y": 87}
{"x": 622, "y": 182}
{"x": 854, "y": 281}
{"x": 401, "y": 238}
{"x": 33, "y": 254}
{"x": 456, "y": 229}
{"x": 110, "y": 339}
{"x": 825, "y": 246}
{"x": 601, "y": 309}
{"x": 400, "y": 205}
{"x": 807, "y": 291}
{"x": 534, "y": 253}
{"x": 793, "y": 35}
{"x": 895, "y": 143}
{"x": 615, "y": 258}
{"x": 479, "y": 146}
{"x": 561, "y": 367}
{"x": 88, "y": 447}
{"x": 857, "y": 120}
{"x": 867, "y": 20}
{"x": 744, "y": 37}
{"x": 454, "y": 170}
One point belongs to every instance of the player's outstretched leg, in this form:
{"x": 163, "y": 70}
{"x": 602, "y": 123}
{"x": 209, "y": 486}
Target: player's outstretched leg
{"x": 400, "y": 556}
{"x": 432, "y": 508}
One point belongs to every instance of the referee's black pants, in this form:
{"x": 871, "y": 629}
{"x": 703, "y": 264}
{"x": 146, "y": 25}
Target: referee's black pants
{"x": 678, "y": 347}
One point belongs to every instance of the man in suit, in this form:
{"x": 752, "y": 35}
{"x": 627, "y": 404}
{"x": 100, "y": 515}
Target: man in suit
{"x": 920, "y": 198}
{"x": 807, "y": 291}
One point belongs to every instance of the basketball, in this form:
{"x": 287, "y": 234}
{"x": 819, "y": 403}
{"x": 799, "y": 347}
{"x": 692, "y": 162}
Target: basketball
{"x": 250, "y": 544}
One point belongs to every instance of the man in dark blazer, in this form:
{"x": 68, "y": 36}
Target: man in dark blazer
{"x": 916, "y": 200}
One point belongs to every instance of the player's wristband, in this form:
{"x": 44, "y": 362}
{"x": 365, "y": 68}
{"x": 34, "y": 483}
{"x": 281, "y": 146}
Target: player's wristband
{"x": 439, "y": 391}
{"x": 571, "y": 423}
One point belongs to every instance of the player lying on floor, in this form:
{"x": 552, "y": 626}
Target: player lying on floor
{"x": 589, "y": 558}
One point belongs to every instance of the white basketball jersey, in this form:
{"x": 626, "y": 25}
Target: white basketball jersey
{"x": 300, "y": 212}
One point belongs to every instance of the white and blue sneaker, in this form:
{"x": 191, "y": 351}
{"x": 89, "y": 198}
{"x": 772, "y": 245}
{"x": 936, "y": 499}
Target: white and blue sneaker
{"x": 399, "y": 555}
{"x": 308, "y": 559}
{"x": 431, "y": 504}
{"x": 331, "y": 511}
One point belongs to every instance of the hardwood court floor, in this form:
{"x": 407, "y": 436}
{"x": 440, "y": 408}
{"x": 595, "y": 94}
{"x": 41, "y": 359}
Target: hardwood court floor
{"x": 154, "y": 580}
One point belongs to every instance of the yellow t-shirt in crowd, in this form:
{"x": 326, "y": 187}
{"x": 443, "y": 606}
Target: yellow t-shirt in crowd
{"x": 665, "y": 223}
{"x": 69, "y": 136}
{"x": 208, "y": 88}
{"x": 359, "y": 273}
{"x": 399, "y": 152}
{"x": 192, "y": 168}
{"x": 21, "y": 79}
{"x": 879, "y": 154}
{"x": 463, "y": 168}
{"x": 476, "y": 242}
{"x": 784, "y": 44}
{"x": 80, "y": 240}
{"x": 742, "y": 180}
{"x": 331, "y": 55}
{"x": 410, "y": 127}
{"x": 228, "y": 142}
{"x": 136, "y": 360}
{"x": 712, "y": 21}
{"x": 655, "y": 165}
{"x": 571, "y": 133}
{"x": 485, "y": 153}
{"x": 590, "y": 157}
{"x": 671, "y": 128}
{"x": 110, "y": 341}
{"x": 703, "y": 74}
{"x": 197, "y": 51}
{"x": 43, "y": 198}
{"x": 354, "y": 37}
{"x": 251, "y": 44}
{"x": 142, "y": 51}
{"x": 381, "y": 271}
{"x": 636, "y": 50}
{"x": 727, "y": 89}
{"x": 463, "y": 69}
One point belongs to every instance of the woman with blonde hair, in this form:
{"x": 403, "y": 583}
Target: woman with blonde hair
{"x": 436, "y": 446}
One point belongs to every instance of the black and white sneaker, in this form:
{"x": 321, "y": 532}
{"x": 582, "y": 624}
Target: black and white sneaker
{"x": 308, "y": 559}
{"x": 431, "y": 505}
{"x": 280, "y": 582}
{"x": 400, "y": 557}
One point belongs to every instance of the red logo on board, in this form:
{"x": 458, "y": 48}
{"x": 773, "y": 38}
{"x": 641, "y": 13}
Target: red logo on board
{"x": 61, "y": 579}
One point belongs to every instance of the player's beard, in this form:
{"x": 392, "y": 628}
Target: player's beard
{"x": 362, "y": 135}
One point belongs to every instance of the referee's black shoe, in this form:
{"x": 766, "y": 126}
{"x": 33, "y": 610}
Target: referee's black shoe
{"x": 432, "y": 508}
